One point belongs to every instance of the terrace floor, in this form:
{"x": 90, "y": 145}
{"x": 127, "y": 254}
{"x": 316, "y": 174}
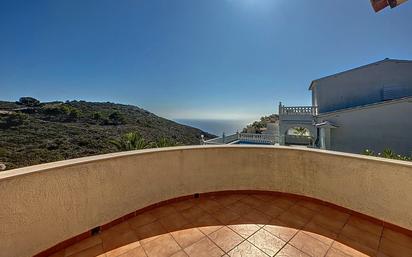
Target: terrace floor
{"x": 244, "y": 225}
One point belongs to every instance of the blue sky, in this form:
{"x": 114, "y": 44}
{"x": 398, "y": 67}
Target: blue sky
{"x": 225, "y": 59}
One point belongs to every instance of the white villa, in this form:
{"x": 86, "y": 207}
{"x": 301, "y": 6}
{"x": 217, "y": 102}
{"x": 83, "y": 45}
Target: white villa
{"x": 369, "y": 107}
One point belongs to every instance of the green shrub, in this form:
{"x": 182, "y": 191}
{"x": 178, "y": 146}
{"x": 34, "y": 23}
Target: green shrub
{"x": 387, "y": 153}
{"x": 74, "y": 114}
{"x": 61, "y": 112}
{"x": 12, "y": 120}
{"x": 97, "y": 115}
{"x": 165, "y": 142}
{"x": 116, "y": 118}
{"x": 29, "y": 101}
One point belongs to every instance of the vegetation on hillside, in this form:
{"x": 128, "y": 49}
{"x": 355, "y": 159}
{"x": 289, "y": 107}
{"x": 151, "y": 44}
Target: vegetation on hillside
{"x": 135, "y": 141}
{"x": 32, "y": 132}
{"x": 259, "y": 125}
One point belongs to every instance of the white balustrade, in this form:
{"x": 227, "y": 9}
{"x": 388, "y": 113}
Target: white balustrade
{"x": 298, "y": 110}
{"x": 258, "y": 138}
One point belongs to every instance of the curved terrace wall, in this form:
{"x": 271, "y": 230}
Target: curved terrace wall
{"x": 45, "y": 204}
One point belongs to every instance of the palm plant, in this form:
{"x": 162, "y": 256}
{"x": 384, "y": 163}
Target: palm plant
{"x": 301, "y": 131}
{"x": 131, "y": 141}
{"x": 165, "y": 142}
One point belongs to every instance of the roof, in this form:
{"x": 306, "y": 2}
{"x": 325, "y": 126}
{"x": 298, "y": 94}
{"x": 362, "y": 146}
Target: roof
{"x": 326, "y": 124}
{"x": 312, "y": 84}
{"x": 366, "y": 106}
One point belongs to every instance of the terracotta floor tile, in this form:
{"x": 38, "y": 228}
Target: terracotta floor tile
{"x": 290, "y": 251}
{"x": 266, "y": 242}
{"x": 283, "y": 202}
{"x": 94, "y": 251}
{"x": 340, "y": 248}
{"x": 301, "y": 211}
{"x": 361, "y": 236}
{"x": 225, "y": 215}
{"x": 150, "y": 231}
{"x": 83, "y": 245}
{"x": 325, "y": 239}
{"x": 210, "y": 206}
{"x": 183, "y": 205}
{"x": 316, "y": 230}
{"x": 355, "y": 245}
{"x": 309, "y": 245}
{"x": 58, "y": 254}
{"x": 334, "y": 214}
{"x": 246, "y": 249}
{"x": 292, "y": 220}
{"x": 380, "y": 254}
{"x": 193, "y": 213}
{"x": 122, "y": 249}
{"x": 336, "y": 253}
{"x": 174, "y": 222}
{"x": 116, "y": 229}
{"x": 394, "y": 249}
{"x": 332, "y": 224}
{"x": 186, "y": 237}
{"x": 253, "y": 201}
{"x": 264, "y": 197}
{"x": 257, "y": 217}
{"x": 283, "y": 232}
{"x": 207, "y": 224}
{"x": 179, "y": 254}
{"x": 244, "y": 230}
{"x": 311, "y": 205}
{"x": 365, "y": 225}
{"x": 226, "y": 200}
{"x": 162, "y": 246}
{"x": 397, "y": 237}
{"x": 212, "y": 224}
{"x": 204, "y": 248}
{"x": 135, "y": 252}
{"x": 240, "y": 207}
{"x": 117, "y": 236}
{"x": 225, "y": 238}
{"x": 162, "y": 211}
{"x": 141, "y": 219}
{"x": 272, "y": 210}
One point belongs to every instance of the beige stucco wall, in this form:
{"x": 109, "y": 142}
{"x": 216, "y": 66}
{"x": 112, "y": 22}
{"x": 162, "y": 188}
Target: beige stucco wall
{"x": 46, "y": 204}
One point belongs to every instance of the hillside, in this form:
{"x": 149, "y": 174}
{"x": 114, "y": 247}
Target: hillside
{"x": 32, "y": 132}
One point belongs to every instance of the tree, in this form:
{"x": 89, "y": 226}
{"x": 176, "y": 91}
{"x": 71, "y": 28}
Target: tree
{"x": 131, "y": 141}
{"x": 29, "y": 101}
{"x": 117, "y": 118}
{"x": 301, "y": 131}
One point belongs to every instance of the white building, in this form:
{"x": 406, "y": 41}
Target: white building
{"x": 369, "y": 107}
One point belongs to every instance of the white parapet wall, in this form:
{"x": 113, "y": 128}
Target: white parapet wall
{"x": 46, "y": 204}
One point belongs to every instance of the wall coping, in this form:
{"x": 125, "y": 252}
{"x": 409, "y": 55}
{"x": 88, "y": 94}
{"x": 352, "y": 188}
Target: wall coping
{"x": 9, "y": 174}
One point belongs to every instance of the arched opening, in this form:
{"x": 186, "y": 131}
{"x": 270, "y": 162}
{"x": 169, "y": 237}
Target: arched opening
{"x": 299, "y": 135}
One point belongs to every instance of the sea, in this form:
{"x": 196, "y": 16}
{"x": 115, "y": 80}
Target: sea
{"x": 216, "y": 127}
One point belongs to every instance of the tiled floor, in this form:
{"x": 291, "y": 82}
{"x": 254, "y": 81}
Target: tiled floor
{"x": 244, "y": 225}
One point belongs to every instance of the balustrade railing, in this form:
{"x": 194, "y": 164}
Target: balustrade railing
{"x": 258, "y": 138}
{"x": 298, "y": 110}
{"x": 243, "y": 137}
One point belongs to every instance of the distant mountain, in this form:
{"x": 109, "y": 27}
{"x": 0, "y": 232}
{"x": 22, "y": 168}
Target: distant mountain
{"x": 32, "y": 132}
